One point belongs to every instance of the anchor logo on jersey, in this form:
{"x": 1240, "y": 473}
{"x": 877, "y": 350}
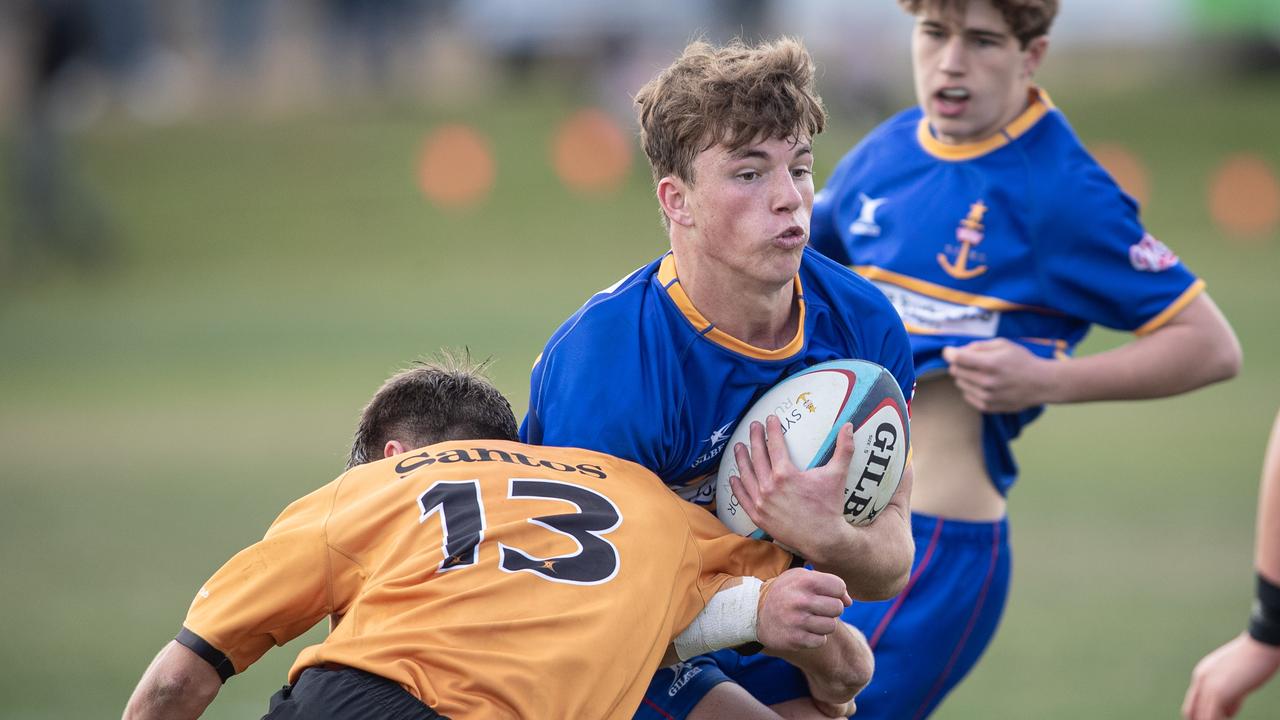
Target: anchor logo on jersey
{"x": 969, "y": 233}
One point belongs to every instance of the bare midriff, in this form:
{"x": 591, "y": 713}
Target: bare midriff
{"x": 951, "y": 479}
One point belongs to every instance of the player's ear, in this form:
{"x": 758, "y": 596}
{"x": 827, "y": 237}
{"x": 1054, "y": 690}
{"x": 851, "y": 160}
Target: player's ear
{"x": 1034, "y": 55}
{"x": 673, "y": 196}
{"x": 393, "y": 447}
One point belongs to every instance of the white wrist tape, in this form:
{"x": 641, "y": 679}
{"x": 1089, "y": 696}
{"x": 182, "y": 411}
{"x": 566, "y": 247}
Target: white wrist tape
{"x": 729, "y": 620}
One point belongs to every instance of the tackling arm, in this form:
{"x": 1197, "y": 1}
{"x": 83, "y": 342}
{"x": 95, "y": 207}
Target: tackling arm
{"x": 797, "y": 619}
{"x": 178, "y": 685}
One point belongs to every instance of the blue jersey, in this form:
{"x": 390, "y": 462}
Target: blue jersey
{"x": 640, "y": 374}
{"x": 1022, "y": 236}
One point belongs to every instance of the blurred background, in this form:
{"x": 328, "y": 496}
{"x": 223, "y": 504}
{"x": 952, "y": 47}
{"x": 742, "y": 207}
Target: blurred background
{"x": 224, "y": 222}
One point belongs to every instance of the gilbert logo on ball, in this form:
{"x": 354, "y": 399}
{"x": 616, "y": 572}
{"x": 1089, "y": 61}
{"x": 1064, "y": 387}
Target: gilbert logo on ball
{"x": 813, "y": 405}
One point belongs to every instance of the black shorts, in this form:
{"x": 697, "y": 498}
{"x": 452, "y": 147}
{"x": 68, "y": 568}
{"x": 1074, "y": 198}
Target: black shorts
{"x": 346, "y": 694}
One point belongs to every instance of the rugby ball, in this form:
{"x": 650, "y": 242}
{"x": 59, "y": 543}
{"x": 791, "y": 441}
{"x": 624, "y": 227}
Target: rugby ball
{"x": 813, "y": 405}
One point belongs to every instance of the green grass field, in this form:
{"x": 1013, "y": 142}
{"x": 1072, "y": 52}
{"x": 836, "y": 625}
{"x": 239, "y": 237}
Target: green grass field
{"x": 155, "y": 418}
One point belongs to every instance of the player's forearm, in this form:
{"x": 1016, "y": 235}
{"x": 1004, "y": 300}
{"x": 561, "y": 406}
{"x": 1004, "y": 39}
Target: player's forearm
{"x": 1267, "y": 553}
{"x": 1196, "y": 348}
{"x": 873, "y": 565}
{"x": 165, "y": 703}
{"x": 838, "y": 670}
{"x": 874, "y": 560}
{"x": 178, "y": 685}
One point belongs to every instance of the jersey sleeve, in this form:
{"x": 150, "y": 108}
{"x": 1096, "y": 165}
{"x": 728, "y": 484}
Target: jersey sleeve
{"x": 268, "y": 593}
{"x": 724, "y": 555}
{"x": 1097, "y": 262}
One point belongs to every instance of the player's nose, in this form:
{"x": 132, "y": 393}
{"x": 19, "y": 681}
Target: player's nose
{"x": 787, "y": 194}
{"x": 953, "y": 57}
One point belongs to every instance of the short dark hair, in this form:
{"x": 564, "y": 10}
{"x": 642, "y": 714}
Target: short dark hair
{"x": 736, "y": 95}
{"x": 447, "y": 398}
{"x": 1027, "y": 19}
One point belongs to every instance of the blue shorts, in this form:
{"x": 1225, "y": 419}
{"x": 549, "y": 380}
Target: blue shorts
{"x": 925, "y": 640}
{"x": 677, "y": 688}
{"x": 929, "y": 637}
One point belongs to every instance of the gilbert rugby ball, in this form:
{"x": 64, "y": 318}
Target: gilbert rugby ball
{"x": 813, "y": 404}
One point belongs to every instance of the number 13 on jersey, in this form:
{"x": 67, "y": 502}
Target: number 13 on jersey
{"x": 462, "y": 521}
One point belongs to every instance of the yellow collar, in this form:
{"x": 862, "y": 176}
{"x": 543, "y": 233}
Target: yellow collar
{"x": 1038, "y": 107}
{"x": 670, "y": 281}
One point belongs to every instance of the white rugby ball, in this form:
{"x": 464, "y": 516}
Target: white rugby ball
{"x": 813, "y": 405}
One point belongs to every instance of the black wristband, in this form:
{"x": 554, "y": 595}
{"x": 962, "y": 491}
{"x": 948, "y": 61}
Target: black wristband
{"x": 1264, "y": 619}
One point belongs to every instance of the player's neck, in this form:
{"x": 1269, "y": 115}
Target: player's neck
{"x": 764, "y": 316}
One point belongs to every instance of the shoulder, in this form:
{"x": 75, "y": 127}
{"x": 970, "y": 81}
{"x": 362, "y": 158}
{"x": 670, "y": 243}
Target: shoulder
{"x": 613, "y": 358}
{"x": 845, "y": 303}
{"x": 896, "y": 130}
{"x": 887, "y": 140}
{"x": 622, "y": 305}
{"x": 826, "y": 282}
{"x": 1072, "y": 182}
{"x": 1053, "y": 144}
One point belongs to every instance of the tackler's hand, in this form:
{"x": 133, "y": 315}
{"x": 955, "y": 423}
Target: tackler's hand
{"x": 799, "y": 609}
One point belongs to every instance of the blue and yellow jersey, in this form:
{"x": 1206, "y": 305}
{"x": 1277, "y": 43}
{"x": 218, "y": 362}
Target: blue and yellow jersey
{"x": 639, "y": 373}
{"x": 1022, "y": 236}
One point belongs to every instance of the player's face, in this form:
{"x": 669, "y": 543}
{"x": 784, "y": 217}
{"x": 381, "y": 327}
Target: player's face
{"x": 750, "y": 209}
{"x": 971, "y": 74}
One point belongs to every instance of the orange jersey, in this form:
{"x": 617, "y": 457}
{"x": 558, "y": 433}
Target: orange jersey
{"x": 490, "y": 579}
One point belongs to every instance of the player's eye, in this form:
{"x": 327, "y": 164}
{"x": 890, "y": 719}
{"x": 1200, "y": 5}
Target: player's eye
{"x": 748, "y": 175}
{"x": 801, "y": 173}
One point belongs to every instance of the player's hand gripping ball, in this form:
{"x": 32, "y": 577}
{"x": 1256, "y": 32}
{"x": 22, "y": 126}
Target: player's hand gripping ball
{"x": 813, "y": 404}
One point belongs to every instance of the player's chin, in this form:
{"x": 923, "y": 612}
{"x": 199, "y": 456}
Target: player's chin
{"x": 782, "y": 261}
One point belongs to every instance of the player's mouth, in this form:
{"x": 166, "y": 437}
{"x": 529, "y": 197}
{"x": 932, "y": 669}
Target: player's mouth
{"x": 791, "y": 238}
{"x": 950, "y": 102}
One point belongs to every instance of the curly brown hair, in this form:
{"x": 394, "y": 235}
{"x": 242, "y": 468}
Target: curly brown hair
{"x": 1027, "y": 19}
{"x": 735, "y": 95}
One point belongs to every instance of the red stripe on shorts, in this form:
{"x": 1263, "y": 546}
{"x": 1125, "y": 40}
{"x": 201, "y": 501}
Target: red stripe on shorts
{"x": 924, "y": 563}
{"x": 973, "y": 619}
{"x": 657, "y": 709}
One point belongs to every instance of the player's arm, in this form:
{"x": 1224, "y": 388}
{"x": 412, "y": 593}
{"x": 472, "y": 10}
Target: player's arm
{"x": 264, "y": 596}
{"x": 803, "y": 510}
{"x": 1194, "y": 348}
{"x": 795, "y": 616}
{"x": 836, "y": 672}
{"x": 793, "y": 612}
{"x": 178, "y": 685}
{"x": 1225, "y": 677}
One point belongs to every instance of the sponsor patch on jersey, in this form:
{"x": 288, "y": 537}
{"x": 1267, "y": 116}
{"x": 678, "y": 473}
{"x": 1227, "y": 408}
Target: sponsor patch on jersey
{"x": 1151, "y": 255}
{"x": 921, "y": 313}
